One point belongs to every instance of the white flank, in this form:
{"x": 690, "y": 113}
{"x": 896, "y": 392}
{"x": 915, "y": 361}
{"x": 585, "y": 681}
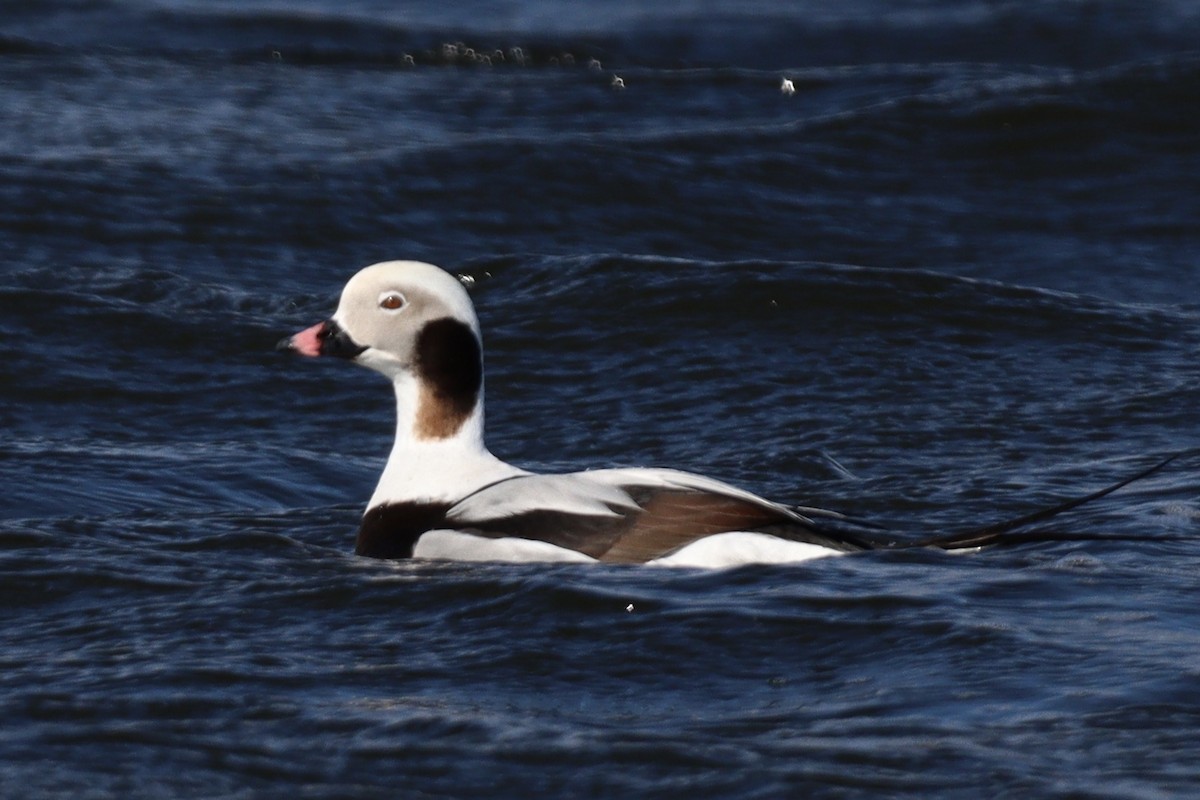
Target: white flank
{"x": 739, "y": 548}
{"x": 449, "y": 545}
{"x": 712, "y": 552}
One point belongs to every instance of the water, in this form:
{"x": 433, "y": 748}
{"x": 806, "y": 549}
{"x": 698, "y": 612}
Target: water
{"x": 949, "y": 280}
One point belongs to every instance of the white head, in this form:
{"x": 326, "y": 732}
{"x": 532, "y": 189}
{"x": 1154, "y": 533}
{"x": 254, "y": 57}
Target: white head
{"x": 412, "y": 322}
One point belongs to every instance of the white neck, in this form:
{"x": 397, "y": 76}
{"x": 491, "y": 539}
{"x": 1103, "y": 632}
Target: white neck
{"x": 443, "y": 469}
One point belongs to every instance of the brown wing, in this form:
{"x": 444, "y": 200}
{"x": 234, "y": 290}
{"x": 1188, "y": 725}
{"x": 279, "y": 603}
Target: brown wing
{"x": 670, "y": 520}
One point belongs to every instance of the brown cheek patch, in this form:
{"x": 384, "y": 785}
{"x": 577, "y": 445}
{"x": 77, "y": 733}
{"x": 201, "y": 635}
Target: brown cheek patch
{"x": 436, "y": 418}
{"x": 449, "y": 364}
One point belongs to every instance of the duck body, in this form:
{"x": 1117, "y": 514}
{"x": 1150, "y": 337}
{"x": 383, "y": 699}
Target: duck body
{"x": 443, "y": 495}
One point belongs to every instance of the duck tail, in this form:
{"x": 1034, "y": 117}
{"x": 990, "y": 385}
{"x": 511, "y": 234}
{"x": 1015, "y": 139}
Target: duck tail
{"x": 1007, "y": 532}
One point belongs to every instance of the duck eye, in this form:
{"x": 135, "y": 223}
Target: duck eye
{"x": 391, "y": 301}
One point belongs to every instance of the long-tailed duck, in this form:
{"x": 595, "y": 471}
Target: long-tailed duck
{"x": 443, "y": 495}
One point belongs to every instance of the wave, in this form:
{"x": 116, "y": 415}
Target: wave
{"x": 883, "y": 297}
{"x": 756, "y": 35}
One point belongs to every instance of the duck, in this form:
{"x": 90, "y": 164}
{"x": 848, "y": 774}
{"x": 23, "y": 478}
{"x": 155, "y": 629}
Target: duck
{"x": 443, "y": 495}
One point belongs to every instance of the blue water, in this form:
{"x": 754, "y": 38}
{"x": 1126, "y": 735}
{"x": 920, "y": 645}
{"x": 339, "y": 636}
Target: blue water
{"x": 951, "y": 279}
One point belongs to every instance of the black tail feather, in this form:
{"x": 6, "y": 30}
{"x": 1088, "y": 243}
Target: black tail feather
{"x": 1002, "y": 532}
